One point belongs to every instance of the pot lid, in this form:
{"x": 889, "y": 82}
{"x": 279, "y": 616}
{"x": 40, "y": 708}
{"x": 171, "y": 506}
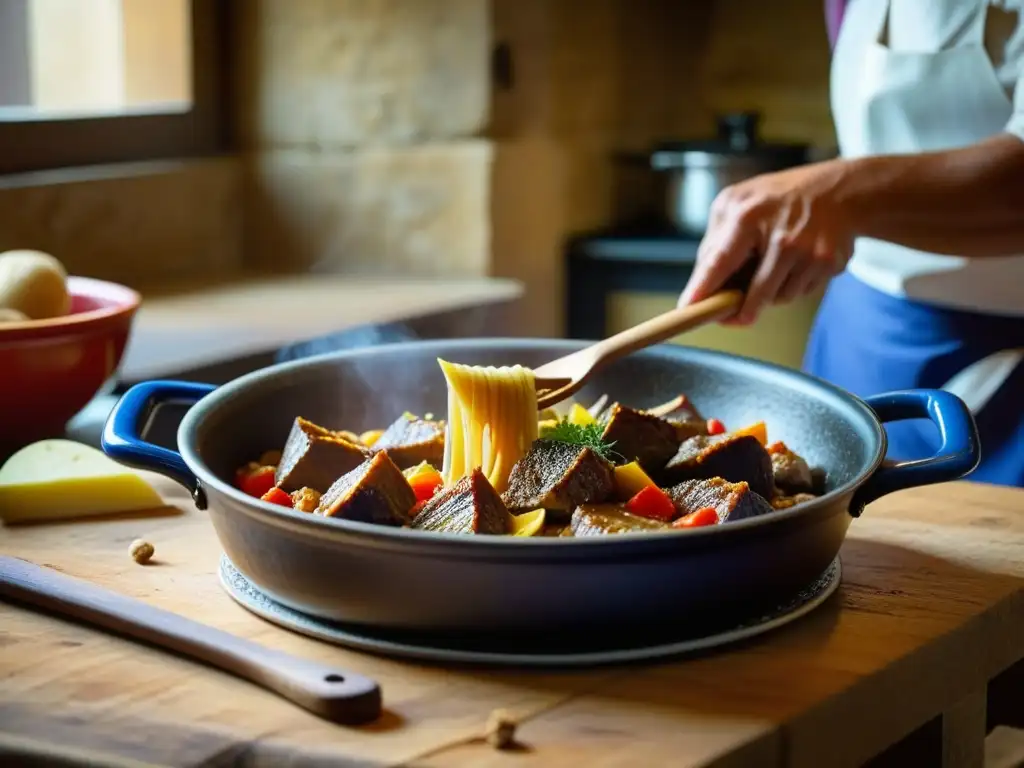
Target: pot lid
{"x": 737, "y": 138}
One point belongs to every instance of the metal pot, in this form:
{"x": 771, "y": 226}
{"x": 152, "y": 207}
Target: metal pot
{"x": 699, "y": 170}
{"x": 419, "y": 581}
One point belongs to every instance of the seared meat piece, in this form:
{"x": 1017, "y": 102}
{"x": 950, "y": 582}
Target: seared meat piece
{"x": 556, "y": 475}
{"x": 600, "y": 519}
{"x": 792, "y": 475}
{"x": 411, "y": 440}
{"x": 687, "y": 428}
{"x": 736, "y": 458}
{"x": 374, "y": 492}
{"x": 470, "y": 506}
{"x": 640, "y": 437}
{"x": 314, "y": 457}
{"x": 732, "y": 501}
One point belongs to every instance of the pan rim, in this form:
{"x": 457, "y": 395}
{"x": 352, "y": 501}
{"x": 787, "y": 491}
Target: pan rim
{"x": 189, "y": 434}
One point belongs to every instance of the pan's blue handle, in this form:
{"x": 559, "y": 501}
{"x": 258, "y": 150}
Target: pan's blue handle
{"x": 957, "y": 457}
{"x": 121, "y": 434}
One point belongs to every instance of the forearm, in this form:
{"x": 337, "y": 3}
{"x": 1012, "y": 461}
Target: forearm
{"x": 964, "y": 202}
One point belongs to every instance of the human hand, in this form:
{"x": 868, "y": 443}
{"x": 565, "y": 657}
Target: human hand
{"x": 792, "y": 220}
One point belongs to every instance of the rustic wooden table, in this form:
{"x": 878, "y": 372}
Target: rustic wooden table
{"x": 930, "y": 609}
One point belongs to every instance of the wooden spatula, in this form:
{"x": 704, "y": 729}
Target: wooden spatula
{"x": 564, "y": 377}
{"x": 334, "y": 694}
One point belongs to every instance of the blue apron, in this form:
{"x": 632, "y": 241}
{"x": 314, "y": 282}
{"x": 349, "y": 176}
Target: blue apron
{"x": 870, "y": 342}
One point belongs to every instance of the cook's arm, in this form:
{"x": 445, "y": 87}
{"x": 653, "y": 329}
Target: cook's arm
{"x": 964, "y": 202}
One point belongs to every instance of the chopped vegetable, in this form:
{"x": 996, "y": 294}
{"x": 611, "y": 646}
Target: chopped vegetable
{"x": 255, "y": 480}
{"x": 715, "y": 427}
{"x": 587, "y": 435}
{"x": 630, "y": 479}
{"x": 580, "y": 415}
{"x": 425, "y": 483}
{"x": 305, "y": 499}
{"x": 758, "y": 430}
{"x": 528, "y": 523}
{"x": 652, "y": 503}
{"x": 544, "y": 424}
{"x": 370, "y": 437}
{"x": 704, "y": 516}
{"x": 276, "y": 496}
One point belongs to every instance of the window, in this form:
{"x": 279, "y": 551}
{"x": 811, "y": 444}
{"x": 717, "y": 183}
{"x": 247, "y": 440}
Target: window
{"x": 84, "y": 82}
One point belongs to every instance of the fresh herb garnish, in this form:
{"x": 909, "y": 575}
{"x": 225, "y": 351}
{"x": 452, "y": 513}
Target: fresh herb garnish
{"x": 586, "y": 435}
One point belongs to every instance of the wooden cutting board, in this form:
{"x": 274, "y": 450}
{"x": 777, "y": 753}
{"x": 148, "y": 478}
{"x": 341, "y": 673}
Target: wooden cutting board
{"x": 931, "y": 607}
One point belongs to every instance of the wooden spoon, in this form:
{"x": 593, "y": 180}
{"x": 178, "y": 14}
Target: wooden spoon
{"x": 331, "y": 693}
{"x": 565, "y": 376}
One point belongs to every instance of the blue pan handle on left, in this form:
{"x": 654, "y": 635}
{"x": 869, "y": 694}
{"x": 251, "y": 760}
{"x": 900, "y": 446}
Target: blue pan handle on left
{"x": 122, "y": 440}
{"x": 957, "y": 456}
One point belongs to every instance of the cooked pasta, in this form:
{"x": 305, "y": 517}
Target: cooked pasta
{"x": 492, "y": 421}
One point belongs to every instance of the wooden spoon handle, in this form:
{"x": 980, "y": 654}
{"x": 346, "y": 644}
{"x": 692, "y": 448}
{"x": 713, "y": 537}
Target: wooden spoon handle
{"x": 667, "y": 325}
{"x": 331, "y": 693}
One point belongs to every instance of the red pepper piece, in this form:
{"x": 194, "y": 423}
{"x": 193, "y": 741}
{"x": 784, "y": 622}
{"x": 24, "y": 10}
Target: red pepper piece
{"x": 276, "y": 496}
{"x": 653, "y": 503}
{"x": 255, "y": 482}
{"x": 703, "y": 516}
{"x": 425, "y": 484}
{"x": 417, "y": 508}
{"x": 715, "y": 427}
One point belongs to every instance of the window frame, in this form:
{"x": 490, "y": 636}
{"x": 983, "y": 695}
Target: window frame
{"x": 38, "y": 145}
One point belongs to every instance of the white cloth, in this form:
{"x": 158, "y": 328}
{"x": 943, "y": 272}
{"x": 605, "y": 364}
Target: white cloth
{"x": 920, "y": 75}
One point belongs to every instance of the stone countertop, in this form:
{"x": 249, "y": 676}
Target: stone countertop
{"x": 188, "y": 326}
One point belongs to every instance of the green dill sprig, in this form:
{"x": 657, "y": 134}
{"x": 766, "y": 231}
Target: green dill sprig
{"x": 586, "y": 435}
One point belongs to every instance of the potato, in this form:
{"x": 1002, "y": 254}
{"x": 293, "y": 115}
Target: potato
{"x": 33, "y": 283}
{"x": 12, "y": 316}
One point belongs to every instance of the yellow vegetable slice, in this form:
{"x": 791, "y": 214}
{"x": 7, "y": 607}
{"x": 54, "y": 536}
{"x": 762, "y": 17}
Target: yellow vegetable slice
{"x": 630, "y": 479}
{"x": 758, "y": 430}
{"x": 528, "y": 523}
{"x": 62, "y": 479}
{"x": 370, "y": 437}
{"x": 580, "y": 415}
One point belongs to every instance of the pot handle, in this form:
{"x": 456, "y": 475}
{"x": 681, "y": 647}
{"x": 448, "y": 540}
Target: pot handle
{"x": 122, "y": 442}
{"x": 958, "y": 456}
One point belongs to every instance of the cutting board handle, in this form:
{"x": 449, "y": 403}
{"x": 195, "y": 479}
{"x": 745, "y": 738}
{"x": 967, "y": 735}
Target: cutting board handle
{"x": 331, "y": 693}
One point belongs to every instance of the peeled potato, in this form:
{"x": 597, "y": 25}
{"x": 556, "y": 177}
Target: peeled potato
{"x": 12, "y": 316}
{"x": 33, "y": 283}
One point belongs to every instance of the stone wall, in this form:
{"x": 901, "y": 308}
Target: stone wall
{"x": 441, "y": 137}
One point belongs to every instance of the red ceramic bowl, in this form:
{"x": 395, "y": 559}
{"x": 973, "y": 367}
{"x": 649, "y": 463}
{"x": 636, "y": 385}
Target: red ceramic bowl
{"x": 49, "y": 369}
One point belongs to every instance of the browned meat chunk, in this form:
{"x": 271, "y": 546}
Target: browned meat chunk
{"x": 641, "y": 437}
{"x": 736, "y": 458}
{"x": 792, "y": 474}
{"x": 785, "y": 502}
{"x": 601, "y": 519}
{"x": 560, "y": 476}
{"x": 374, "y": 492}
{"x": 470, "y": 506}
{"x": 411, "y": 440}
{"x": 732, "y": 501}
{"x": 314, "y": 457}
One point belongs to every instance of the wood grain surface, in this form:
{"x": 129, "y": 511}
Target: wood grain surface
{"x": 931, "y": 607}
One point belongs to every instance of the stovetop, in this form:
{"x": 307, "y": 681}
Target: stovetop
{"x": 649, "y": 241}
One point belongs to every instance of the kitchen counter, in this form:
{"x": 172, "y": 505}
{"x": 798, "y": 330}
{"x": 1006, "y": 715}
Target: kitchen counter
{"x": 931, "y": 608}
{"x": 188, "y": 326}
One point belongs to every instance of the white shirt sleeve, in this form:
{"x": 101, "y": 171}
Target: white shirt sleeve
{"x": 1016, "y": 122}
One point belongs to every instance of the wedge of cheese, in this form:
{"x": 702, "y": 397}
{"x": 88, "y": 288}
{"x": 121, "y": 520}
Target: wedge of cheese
{"x": 60, "y": 479}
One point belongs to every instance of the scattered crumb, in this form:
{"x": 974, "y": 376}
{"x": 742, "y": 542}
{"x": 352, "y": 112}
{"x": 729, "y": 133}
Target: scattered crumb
{"x": 141, "y": 551}
{"x": 501, "y": 729}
